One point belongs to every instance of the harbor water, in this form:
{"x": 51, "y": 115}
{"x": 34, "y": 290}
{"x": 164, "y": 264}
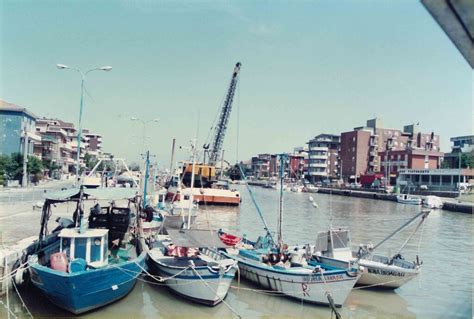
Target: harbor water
{"x": 444, "y": 244}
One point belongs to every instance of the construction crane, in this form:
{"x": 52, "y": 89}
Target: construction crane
{"x": 221, "y": 126}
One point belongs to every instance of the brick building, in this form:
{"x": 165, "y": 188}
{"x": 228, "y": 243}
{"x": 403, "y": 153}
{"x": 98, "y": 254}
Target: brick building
{"x": 361, "y": 149}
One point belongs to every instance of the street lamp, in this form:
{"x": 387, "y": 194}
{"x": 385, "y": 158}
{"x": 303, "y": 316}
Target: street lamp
{"x": 144, "y": 123}
{"x": 79, "y": 134}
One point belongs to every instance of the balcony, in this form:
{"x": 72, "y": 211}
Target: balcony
{"x": 322, "y": 173}
{"x": 319, "y": 148}
{"x": 321, "y": 165}
{"x": 320, "y": 157}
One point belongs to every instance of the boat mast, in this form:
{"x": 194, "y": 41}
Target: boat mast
{"x": 191, "y": 198}
{"x": 280, "y": 207}
{"x": 424, "y": 214}
{"x": 145, "y": 182}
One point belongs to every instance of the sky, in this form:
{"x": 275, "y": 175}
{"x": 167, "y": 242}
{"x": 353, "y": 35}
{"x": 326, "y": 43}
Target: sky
{"x": 308, "y": 67}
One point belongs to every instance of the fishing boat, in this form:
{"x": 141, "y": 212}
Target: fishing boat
{"x": 333, "y": 247}
{"x": 206, "y": 192}
{"x": 274, "y": 266}
{"x": 188, "y": 260}
{"x": 83, "y": 267}
{"x": 184, "y": 260}
{"x": 408, "y": 199}
{"x": 433, "y": 202}
{"x": 310, "y": 188}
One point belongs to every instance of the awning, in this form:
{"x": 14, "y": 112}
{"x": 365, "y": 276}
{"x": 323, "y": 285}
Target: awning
{"x": 93, "y": 193}
{"x": 195, "y": 238}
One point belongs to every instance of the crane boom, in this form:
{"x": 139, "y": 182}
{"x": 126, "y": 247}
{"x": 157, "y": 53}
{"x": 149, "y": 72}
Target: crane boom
{"x": 221, "y": 126}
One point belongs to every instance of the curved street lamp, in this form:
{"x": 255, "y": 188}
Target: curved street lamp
{"x": 79, "y": 134}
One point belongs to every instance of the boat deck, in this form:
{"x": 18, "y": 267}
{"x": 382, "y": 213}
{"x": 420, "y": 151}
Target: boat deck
{"x": 183, "y": 261}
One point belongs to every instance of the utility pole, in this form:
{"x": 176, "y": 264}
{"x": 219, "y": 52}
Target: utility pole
{"x": 172, "y": 156}
{"x": 459, "y": 173}
{"x": 24, "y": 181}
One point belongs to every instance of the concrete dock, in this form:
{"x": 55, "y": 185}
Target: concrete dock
{"x": 448, "y": 203}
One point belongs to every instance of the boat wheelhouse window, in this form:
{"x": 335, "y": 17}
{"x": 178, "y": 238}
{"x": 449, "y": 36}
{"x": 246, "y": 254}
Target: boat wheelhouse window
{"x": 80, "y": 248}
{"x": 105, "y": 249}
{"x": 322, "y": 241}
{"x": 95, "y": 248}
{"x": 66, "y": 246}
{"x": 340, "y": 239}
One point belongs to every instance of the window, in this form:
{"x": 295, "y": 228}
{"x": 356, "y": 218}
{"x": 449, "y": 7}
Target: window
{"x": 80, "y": 248}
{"x": 95, "y": 249}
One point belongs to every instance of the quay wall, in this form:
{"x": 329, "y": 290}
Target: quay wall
{"x": 449, "y": 204}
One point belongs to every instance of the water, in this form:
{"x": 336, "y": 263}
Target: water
{"x": 442, "y": 290}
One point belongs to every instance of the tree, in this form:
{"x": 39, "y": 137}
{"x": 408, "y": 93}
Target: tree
{"x": 14, "y": 167}
{"x": 35, "y": 167}
{"x": 90, "y": 161}
{"x": 467, "y": 160}
{"x": 4, "y": 159}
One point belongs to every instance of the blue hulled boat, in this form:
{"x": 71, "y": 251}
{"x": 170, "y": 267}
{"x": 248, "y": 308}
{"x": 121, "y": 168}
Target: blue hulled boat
{"x": 89, "y": 266}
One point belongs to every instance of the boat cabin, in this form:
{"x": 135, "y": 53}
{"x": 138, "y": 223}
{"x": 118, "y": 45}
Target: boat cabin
{"x": 90, "y": 245}
{"x": 334, "y": 243}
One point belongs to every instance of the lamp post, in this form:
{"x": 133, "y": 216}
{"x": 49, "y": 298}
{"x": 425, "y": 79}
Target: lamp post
{"x": 144, "y": 123}
{"x": 79, "y": 134}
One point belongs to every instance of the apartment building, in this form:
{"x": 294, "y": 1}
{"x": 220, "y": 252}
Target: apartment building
{"x": 323, "y": 157}
{"x": 363, "y": 148}
{"x": 460, "y": 145}
{"x": 17, "y": 129}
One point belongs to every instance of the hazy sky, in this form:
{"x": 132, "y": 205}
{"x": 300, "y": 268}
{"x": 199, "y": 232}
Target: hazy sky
{"x": 308, "y": 67}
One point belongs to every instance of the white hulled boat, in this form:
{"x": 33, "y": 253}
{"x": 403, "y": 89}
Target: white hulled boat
{"x": 433, "y": 202}
{"x": 333, "y": 247}
{"x": 188, "y": 261}
{"x": 408, "y": 199}
{"x": 274, "y": 266}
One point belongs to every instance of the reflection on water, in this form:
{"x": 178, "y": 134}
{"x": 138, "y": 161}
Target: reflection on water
{"x": 442, "y": 290}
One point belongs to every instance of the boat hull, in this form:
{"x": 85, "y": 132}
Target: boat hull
{"x": 384, "y": 276}
{"x": 208, "y": 196}
{"x": 309, "y": 287}
{"x": 378, "y": 274}
{"x": 189, "y": 285}
{"x": 409, "y": 201}
{"x": 87, "y": 290}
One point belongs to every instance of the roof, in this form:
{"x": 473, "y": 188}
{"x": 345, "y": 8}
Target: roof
{"x": 92, "y": 193}
{"x": 6, "y": 106}
{"x": 58, "y": 122}
{"x": 456, "y": 18}
{"x": 74, "y": 232}
{"x": 195, "y": 238}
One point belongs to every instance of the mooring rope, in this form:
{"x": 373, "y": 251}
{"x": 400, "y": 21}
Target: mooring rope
{"x": 21, "y": 299}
